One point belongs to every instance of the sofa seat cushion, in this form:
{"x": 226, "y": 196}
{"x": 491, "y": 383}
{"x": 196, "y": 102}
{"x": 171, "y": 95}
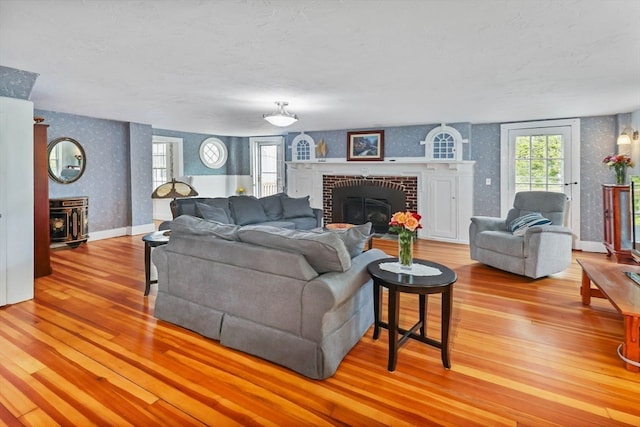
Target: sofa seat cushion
{"x": 247, "y": 210}
{"x": 325, "y": 252}
{"x": 503, "y": 242}
{"x": 303, "y": 223}
{"x": 290, "y": 225}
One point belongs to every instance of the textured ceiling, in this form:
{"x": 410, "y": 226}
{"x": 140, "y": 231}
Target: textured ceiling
{"x": 216, "y": 66}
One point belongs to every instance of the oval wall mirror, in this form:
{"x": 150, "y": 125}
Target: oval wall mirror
{"x": 67, "y": 160}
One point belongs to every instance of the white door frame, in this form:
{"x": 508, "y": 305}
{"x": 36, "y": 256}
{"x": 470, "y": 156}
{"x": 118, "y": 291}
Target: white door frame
{"x": 255, "y": 143}
{"x": 161, "y": 209}
{"x": 507, "y": 190}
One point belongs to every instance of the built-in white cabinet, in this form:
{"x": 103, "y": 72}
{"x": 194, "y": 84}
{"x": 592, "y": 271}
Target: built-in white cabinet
{"x": 16, "y": 200}
{"x": 444, "y": 193}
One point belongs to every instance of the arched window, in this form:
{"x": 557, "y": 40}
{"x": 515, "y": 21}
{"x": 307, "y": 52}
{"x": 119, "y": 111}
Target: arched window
{"x": 303, "y": 148}
{"x": 443, "y": 143}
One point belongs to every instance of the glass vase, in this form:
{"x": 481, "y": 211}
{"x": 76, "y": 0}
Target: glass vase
{"x": 621, "y": 175}
{"x": 405, "y": 249}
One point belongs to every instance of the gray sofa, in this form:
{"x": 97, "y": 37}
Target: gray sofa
{"x": 301, "y": 299}
{"x": 278, "y": 210}
{"x": 521, "y": 244}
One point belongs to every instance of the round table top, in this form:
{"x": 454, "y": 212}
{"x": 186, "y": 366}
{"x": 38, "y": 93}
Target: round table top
{"x": 409, "y": 281}
{"x": 157, "y": 237}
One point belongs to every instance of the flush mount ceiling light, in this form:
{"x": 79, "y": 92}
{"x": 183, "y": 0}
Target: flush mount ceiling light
{"x": 280, "y": 117}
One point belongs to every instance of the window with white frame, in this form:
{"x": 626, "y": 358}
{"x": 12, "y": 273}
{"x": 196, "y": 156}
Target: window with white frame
{"x": 443, "y": 143}
{"x": 213, "y": 153}
{"x": 303, "y": 148}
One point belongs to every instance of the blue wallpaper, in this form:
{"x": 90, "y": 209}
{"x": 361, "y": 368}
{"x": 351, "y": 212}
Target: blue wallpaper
{"x": 485, "y": 145}
{"x": 107, "y": 177}
{"x": 16, "y": 83}
{"x": 140, "y": 174}
{"x": 598, "y": 140}
{"x": 238, "y": 162}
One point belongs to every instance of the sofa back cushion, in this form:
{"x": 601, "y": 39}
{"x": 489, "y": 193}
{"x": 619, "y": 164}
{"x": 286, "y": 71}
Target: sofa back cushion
{"x": 355, "y": 237}
{"x": 190, "y": 225}
{"x": 212, "y": 213}
{"x": 272, "y": 206}
{"x": 296, "y": 207}
{"x": 247, "y": 210}
{"x": 325, "y": 252}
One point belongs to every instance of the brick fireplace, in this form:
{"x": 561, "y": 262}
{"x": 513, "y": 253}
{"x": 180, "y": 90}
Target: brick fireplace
{"x": 380, "y": 194}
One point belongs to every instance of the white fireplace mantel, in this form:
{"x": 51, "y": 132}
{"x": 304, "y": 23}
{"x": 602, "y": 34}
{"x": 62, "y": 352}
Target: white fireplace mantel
{"x": 445, "y": 189}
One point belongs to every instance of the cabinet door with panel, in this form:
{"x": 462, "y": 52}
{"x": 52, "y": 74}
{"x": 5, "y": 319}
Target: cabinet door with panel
{"x": 617, "y": 235}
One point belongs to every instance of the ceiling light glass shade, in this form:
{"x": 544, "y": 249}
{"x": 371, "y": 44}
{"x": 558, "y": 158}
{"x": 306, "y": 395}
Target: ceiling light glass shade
{"x": 280, "y": 117}
{"x": 624, "y": 139}
{"x": 173, "y": 189}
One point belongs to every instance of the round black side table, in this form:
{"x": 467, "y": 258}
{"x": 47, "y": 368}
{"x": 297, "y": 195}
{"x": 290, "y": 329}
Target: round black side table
{"x": 151, "y": 240}
{"x": 412, "y": 284}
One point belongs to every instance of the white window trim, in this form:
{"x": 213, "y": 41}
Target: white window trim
{"x": 177, "y": 159}
{"x": 224, "y": 154}
{"x": 294, "y": 148}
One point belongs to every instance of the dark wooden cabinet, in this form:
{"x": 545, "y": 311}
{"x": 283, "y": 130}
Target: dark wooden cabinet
{"x": 69, "y": 220}
{"x": 41, "y": 242}
{"x": 617, "y": 237}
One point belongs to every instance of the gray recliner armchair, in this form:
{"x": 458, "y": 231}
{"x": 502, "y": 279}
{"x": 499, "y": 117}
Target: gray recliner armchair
{"x": 533, "y": 250}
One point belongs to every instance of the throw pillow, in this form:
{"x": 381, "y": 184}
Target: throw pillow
{"x": 272, "y": 206}
{"x": 296, "y": 207}
{"x": 212, "y": 213}
{"x": 323, "y": 251}
{"x": 186, "y": 224}
{"x": 355, "y": 237}
{"x": 519, "y": 226}
{"x": 247, "y": 210}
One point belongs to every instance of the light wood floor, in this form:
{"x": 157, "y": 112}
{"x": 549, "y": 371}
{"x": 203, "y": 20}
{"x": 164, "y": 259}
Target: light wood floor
{"x": 87, "y": 350}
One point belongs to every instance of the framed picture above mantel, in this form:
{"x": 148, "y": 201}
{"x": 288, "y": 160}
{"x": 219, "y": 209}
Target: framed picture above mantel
{"x": 365, "y": 146}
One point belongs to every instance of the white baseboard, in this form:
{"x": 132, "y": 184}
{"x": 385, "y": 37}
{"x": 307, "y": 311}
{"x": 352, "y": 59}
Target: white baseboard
{"x": 592, "y": 246}
{"x": 124, "y": 231}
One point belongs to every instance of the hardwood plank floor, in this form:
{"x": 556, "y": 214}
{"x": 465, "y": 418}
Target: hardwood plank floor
{"x": 88, "y": 351}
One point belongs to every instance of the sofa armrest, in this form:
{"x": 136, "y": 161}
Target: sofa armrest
{"x": 555, "y": 229}
{"x": 329, "y": 290}
{"x": 483, "y": 223}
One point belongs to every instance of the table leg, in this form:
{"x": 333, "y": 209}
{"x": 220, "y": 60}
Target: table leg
{"x": 585, "y": 289}
{"x": 447, "y": 304}
{"x": 147, "y": 268}
{"x": 424, "y": 304}
{"x": 393, "y": 315}
{"x": 631, "y": 348}
{"x": 377, "y": 305}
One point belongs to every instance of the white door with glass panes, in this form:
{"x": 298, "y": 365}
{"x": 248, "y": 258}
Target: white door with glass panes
{"x": 542, "y": 156}
{"x": 267, "y": 165}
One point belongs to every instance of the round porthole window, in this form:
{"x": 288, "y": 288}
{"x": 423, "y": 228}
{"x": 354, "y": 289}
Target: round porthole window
{"x": 213, "y": 153}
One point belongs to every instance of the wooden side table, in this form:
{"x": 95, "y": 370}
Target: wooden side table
{"x": 152, "y": 240}
{"x": 397, "y": 283}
